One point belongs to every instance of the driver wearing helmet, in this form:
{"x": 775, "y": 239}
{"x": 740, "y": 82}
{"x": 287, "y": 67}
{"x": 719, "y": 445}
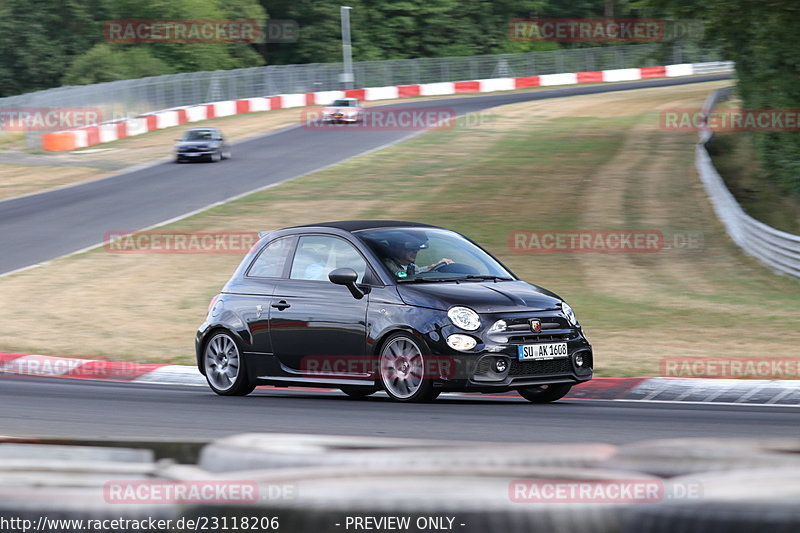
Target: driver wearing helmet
{"x": 403, "y": 254}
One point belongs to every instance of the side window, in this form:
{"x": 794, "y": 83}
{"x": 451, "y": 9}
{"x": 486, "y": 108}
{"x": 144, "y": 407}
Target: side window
{"x": 272, "y": 259}
{"x": 317, "y": 256}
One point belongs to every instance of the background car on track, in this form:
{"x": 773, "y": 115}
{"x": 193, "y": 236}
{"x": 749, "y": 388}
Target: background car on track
{"x": 202, "y": 144}
{"x": 410, "y": 308}
{"x": 343, "y": 110}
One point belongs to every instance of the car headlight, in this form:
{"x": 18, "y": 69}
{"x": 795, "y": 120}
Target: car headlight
{"x": 569, "y": 313}
{"x": 464, "y": 318}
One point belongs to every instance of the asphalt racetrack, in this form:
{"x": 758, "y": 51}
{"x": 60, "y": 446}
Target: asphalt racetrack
{"x": 93, "y": 409}
{"x": 50, "y": 224}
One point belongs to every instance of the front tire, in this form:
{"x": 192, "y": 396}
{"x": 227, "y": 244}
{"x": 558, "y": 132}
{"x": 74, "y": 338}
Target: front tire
{"x": 216, "y": 157}
{"x": 403, "y": 370}
{"x": 226, "y": 371}
{"x": 544, "y": 393}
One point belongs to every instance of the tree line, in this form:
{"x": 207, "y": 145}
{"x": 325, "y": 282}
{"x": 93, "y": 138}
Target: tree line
{"x": 49, "y": 44}
{"x": 762, "y": 38}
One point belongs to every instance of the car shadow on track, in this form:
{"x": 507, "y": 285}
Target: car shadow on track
{"x": 461, "y": 399}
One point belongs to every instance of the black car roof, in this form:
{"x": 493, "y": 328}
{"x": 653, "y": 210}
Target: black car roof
{"x": 356, "y": 225}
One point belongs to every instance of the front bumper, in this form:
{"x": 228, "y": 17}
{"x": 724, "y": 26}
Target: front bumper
{"x": 340, "y": 119}
{"x": 195, "y": 155}
{"x": 477, "y": 370}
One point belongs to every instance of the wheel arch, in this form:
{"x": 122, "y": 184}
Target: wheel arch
{"x": 399, "y": 328}
{"x": 210, "y": 332}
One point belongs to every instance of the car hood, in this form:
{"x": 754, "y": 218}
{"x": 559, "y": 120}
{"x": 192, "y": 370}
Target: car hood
{"x": 483, "y": 297}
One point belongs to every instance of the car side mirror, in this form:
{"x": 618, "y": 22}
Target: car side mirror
{"x": 347, "y": 277}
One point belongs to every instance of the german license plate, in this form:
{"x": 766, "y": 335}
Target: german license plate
{"x": 542, "y": 351}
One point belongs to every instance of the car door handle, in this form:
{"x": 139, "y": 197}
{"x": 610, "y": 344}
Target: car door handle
{"x": 281, "y": 305}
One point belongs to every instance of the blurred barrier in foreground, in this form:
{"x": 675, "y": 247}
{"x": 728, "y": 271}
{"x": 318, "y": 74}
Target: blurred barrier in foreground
{"x": 330, "y": 484}
{"x": 777, "y": 249}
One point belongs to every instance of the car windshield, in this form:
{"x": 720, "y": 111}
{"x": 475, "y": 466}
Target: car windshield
{"x": 431, "y": 254}
{"x": 198, "y": 135}
{"x": 343, "y": 103}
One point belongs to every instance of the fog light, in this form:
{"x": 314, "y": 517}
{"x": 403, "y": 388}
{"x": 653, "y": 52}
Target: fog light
{"x": 462, "y": 343}
{"x": 579, "y": 360}
{"x": 500, "y": 365}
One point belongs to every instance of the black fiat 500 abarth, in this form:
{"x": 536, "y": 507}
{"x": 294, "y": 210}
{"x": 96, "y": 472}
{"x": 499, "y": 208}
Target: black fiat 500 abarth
{"x": 409, "y": 308}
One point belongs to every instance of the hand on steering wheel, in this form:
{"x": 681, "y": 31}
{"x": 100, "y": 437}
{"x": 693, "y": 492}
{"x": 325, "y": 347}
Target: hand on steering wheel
{"x": 442, "y": 263}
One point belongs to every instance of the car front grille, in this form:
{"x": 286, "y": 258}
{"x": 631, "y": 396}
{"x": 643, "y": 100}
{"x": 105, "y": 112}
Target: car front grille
{"x": 561, "y": 365}
{"x": 541, "y": 337}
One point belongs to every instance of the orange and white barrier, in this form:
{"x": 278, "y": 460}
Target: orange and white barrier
{"x": 112, "y": 131}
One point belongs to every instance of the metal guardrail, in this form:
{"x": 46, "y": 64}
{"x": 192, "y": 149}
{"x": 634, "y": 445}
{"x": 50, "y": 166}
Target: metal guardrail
{"x": 127, "y": 98}
{"x": 777, "y": 249}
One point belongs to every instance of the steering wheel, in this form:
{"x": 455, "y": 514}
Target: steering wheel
{"x": 456, "y": 268}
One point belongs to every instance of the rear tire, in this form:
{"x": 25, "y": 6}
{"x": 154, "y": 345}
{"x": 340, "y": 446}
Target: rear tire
{"x": 225, "y": 368}
{"x": 544, "y": 393}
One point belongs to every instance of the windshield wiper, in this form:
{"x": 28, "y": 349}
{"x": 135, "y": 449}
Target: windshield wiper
{"x": 495, "y": 278}
{"x": 428, "y": 280}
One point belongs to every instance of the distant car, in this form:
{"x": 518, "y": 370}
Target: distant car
{"x": 343, "y": 110}
{"x": 345, "y": 305}
{"x": 202, "y": 144}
